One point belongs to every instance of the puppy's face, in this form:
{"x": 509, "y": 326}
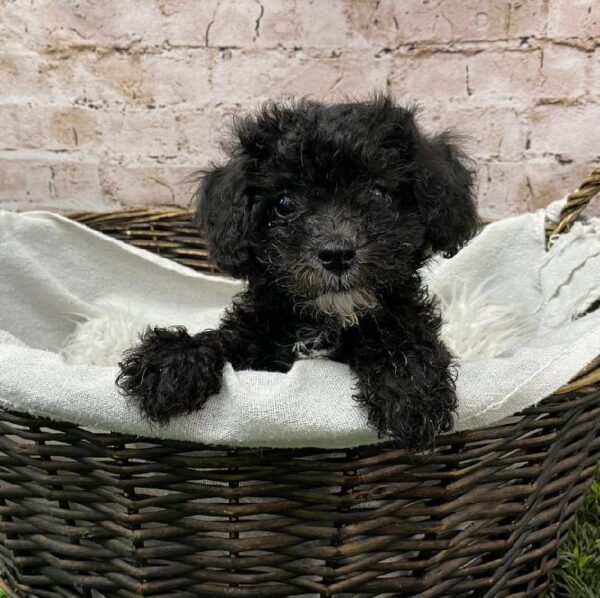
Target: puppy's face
{"x": 336, "y": 236}
{"x": 335, "y": 203}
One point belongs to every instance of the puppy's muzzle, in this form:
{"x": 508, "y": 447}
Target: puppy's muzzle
{"x": 337, "y": 256}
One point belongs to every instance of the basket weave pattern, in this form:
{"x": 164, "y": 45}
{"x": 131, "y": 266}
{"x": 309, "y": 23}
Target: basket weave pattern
{"x": 483, "y": 514}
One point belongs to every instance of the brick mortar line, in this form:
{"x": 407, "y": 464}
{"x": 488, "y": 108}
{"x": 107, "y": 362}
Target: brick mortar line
{"x": 468, "y": 47}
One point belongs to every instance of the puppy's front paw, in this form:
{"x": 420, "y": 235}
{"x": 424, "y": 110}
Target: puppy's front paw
{"x": 412, "y": 415}
{"x": 415, "y": 420}
{"x": 170, "y": 372}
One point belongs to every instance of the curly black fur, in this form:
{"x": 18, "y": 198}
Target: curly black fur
{"x": 328, "y": 211}
{"x": 171, "y": 372}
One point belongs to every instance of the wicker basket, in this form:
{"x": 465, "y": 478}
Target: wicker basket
{"x": 99, "y": 514}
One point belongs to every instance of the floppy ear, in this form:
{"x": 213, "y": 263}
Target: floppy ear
{"x": 222, "y": 214}
{"x": 444, "y": 191}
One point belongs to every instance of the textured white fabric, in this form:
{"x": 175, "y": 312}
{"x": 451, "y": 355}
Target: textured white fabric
{"x": 71, "y": 298}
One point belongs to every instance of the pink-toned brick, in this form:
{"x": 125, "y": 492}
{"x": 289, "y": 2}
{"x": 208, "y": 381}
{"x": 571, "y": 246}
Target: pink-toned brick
{"x": 200, "y": 132}
{"x": 98, "y": 79}
{"x": 142, "y": 133}
{"x": 502, "y": 189}
{"x": 282, "y": 24}
{"x": 504, "y": 76}
{"x": 306, "y": 24}
{"x": 235, "y": 23}
{"x": 151, "y": 185}
{"x": 75, "y": 183}
{"x": 186, "y": 22}
{"x": 568, "y": 131}
{"x": 485, "y": 132}
{"x": 550, "y": 179}
{"x": 13, "y": 28}
{"x": 72, "y": 128}
{"x": 113, "y": 22}
{"x": 389, "y": 22}
{"x": 176, "y": 77}
{"x": 23, "y": 77}
{"x": 150, "y": 78}
{"x": 95, "y": 23}
{"x": 565, "y": 72}
{"x": 426, "y": 77}
{"x": 19, "y": 132}
{"x": 251, "y": 77}
{"x": 47, "y": 127}
{"x": 70, "y": 26}
{"x": 574, "y": 19}
{"x": 22, "y": 182}
{"x": 527, "y": 18}
{"x": 509, "y": 187}
{"x": 460, "y": 20}
{"x": 594, "y": 80}
{"x": 28, "y": 182}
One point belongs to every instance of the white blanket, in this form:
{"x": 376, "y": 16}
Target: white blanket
{"x": 72, "y": 299}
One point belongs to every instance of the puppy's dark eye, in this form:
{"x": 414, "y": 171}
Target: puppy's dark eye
{"x": 284, "y": 206}
{"x": 377, "y": 193}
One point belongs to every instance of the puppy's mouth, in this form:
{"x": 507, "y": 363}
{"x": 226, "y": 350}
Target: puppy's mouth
{"x": 346, "y": 305}
{"x": 345, "y": 296}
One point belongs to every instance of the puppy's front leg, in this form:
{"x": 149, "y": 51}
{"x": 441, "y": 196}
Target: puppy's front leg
{"x": 409, "y": 392}
{"x": 171, "y": 372}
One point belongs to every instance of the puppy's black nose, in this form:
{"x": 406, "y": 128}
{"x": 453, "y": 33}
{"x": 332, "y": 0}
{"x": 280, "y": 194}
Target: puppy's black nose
{"x": 338, "y": 256}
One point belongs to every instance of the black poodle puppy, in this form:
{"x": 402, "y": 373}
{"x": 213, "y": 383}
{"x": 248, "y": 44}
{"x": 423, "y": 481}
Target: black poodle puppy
{"x": 328, "y": 212}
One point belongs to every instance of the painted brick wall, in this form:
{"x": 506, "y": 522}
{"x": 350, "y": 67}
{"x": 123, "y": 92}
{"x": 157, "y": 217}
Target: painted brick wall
{"x": 110, "y": 103}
